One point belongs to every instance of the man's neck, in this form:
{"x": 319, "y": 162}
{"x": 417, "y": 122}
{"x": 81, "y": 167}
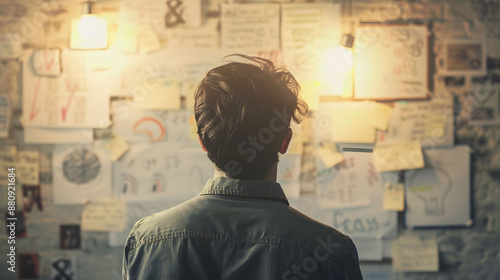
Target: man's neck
{"x": 270, "y": 177}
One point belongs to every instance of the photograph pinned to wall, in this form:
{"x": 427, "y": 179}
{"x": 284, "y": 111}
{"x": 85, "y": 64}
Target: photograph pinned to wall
{"x": 464, "y": 57}
{"x": 63, "y": 268}
{"x": 29, "y": 266}
{"x": 439, "y": 194}
{"x": 32, "y": 196}
{"x": 405, "y": 75}
{"x": 80, "y": 172}
{"x": 20, "y": 221}
{"x": 161, "y": 171}
{"x": 486, "y": 111}
{"x": 69, "y": 237}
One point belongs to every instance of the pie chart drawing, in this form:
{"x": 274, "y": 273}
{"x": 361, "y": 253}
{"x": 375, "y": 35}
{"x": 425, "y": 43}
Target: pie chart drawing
{"x": 81, "y": 166}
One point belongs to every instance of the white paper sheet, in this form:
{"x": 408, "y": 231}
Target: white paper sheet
{"x": 43, "y": 135}
{"x": 79, "y": 98}
{"x": 439, "y": 194}
{"x": 250, "y": 26}
{"x": 347, "y": 184}
{"x": 80, "y": 172}
{"x": 405, "y": 75}
{"x": 160, "y": 171}
{"x": 10, "y": 46}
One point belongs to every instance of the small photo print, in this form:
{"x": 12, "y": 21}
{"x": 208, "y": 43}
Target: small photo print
{"x": 32, "y": 196}
{"x": 28, "y": 266}
{"x": 63, "y": 268}
{"x": 18, "y": 222}
{"x": 69, "y": 237}
{"x": 465, "y": 57}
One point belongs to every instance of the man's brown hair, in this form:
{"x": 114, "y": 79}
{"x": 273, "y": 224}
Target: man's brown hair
{"x": 243, "y": 111}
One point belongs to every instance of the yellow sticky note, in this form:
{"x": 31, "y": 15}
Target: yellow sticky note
{"x": 378, "y": 115}
{"x": 162, "y": 96}
{"x": 117, "y": 147}
{"x": 398, "y": 156}
{"x": 329, "y": 155}
{"x": 128, "y": 38}
{"x": 394, "y": 197}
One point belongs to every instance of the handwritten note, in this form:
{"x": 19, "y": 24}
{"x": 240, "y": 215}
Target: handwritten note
{"x": 5, "y": 113}
{"x": 347, "y": 184}
{"x": 430, "y": 122}
{"x": 26, "y": 163}
{"x": 394, "y": 197}
{"x": 203, "y": 37}
{"x": 254, "y": 26}
{"x": 398, "y": 156}
{"x": 148, "y": 41}
{"x": 412, "y": 254}
{"x": 104, "y": 216}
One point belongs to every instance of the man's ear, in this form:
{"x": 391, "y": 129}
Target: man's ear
{"x": 286, "y": 141}
{"x": 201, "y": 143}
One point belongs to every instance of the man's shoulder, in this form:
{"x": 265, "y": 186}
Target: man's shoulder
{"x": 164, "y": 224}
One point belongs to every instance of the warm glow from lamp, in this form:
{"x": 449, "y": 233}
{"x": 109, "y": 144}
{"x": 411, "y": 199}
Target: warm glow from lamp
{"x": 89, "y": 32}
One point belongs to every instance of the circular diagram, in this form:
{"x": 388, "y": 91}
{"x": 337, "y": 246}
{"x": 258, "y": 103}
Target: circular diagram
{"x": 81, "y": 166}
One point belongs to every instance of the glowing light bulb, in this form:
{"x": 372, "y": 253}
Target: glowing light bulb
{"x": 423, "y": 184}
{"x": 89, "y": 32}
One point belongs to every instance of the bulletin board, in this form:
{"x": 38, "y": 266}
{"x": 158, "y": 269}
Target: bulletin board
{"x": 391, "y": 62}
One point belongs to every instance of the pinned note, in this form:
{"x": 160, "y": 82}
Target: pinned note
{"x": 5, "y": 113}
{"x": 26, "y": 164}
{"x": 330, "y": 155}
{"x": 104, "y": 216}
{"x": 116, "y": 147}
{"x": 163, "y": 96}
{"x": 394, "y": 197}
{"x": 398, "y": 156}
{"x": 412, "y": 254}
{"x": 357, "y": 122}
{"x": 250, "y": 26}
{"x": 46, "y": 135}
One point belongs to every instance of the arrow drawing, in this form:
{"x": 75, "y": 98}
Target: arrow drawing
{"x": 34, "y": 111}
{"x": 72, "y": 89}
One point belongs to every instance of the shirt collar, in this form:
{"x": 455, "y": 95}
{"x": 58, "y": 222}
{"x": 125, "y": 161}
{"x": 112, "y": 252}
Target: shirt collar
{"x": 245, "y": 188}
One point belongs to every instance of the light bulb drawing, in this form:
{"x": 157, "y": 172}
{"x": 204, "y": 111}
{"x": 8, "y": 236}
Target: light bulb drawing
{"x": 432, "y": 186}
